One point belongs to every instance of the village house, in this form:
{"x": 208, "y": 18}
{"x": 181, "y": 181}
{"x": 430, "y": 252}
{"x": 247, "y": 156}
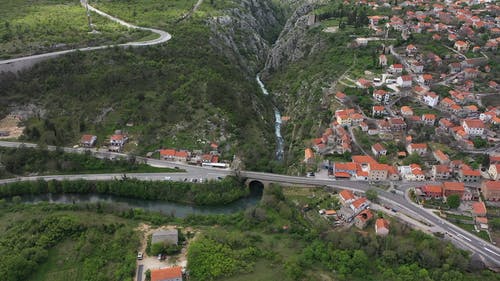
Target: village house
{"x": 461, "y": 46}
{"x": 413, "y": 172}
{"x": 411, "y": 50}
{"x": 363, "y": 218}
{"x": 167, "y": 274}
{"x": 432, "y": 191}
{"x": 378, "y": 110}
{"x": 346, "y": 197}
{"x": 445, "y": 124}
{"x": 417, "y": 67}
{"x": 404, "y": 81}
{"x": 491, "y": 190}
{"x": 382, "y": 227}
{"x": 431, "y": 99}
{"x": 341, "y": 97}
{"x": 419, "y": 148}
{"x": 426, "y": 79}
{"x": 429, "y": 119}
{"x": 471, "y": 73}
{"x": 494, "y": 171}
{"x": 450, "y": 188}
{"x": 169, "y": 237}
{"x": 406, "y": 111}
{"x": 469, "y": 175}
{"x": 378, "y": 172}
{"x": 473, "y": 127}
{"x": 349, "y": 168}
{"x": 381, "y": 96}
{"x": 88, "y": 140}
{"x": 359, "y": 204}
{"x": 441, "y": 172}
{"x": 378, "y": 150}
{"x": 395, "y": 68}
{"x": 441, "y": 157}
{"x": 116, "y": 142}
{"x": 455, "y": 67}
{"x": 397, "y": 124}
{"x": 478, "y": 209}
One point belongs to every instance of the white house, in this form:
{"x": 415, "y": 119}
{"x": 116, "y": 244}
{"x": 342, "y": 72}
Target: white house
{"x": 431, "y": 99}
{"x": 473, "y": 127}
{"x": 404, "y": 81}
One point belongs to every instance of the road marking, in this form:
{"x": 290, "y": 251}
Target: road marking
{"x": 491, "y": 251}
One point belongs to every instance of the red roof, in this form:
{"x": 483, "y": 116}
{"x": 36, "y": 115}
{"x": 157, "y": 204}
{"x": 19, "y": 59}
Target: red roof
{"x": 406, "y": 78}
{"x": 365, "y": 215}
{"x": 439, "y": 154}
{"x": 166, "y": 273}
{"x": 418, "y": 145}
{"x": 181, "y": 154}
{"x": 167, "y": 152}
{"x": 378, "y": 147}
{"x": 492, "y": 185}
{"x": 358, "y": 202}
{"x": 346, "y": 166}
{"x": 432, "y": 189}
{"x": 472, "y": 173}
{"x": 346, "y": 195}
{"x": 361, "y": 159}
{"x": 478, "y": 208}
{"x": 117, "y": 137}
{"x": 457, "y": 186}
{"x": 381, "y": 223}
{"x": 474, "y": 123}
{"x": 87, "y": 138}
{"x": 342, "y": 175}
{"x": 442, "y": 168}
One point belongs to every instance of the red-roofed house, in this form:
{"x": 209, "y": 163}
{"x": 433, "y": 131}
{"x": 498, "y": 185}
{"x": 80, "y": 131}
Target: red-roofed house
{"x": 491, "y": 190}
{"x": 469, "y": 175}
{"x": 478, "y": 209}
{"x": 167, "y": 154}
{"x": 419, "y": 148}
{"x": 473, "y": 127}
{"x": 349, "y": 168}
{"x": 450, "y": 188}
{"x": 378, "y": 110}
{"x": 432, "y": 191}
{"x": 441, "y": 172}
{"x": 431, "y": 99}
{"x": 395, "y": 68}
{"x": 362, "y": 219}
{"x": 88, "y": 140}
{"x": 359, "y": 204}
{"x": 461, "y": 46}
{"x": 117, "y": 142}
{"x": 308, "y": 156}
{"x": 429, "y": 119}
{"x": 404, "y": 81}
{"x": 378, "y": 172}
{"x": 378, "y": 149}
{"x": 167, "y": 274}
{"x": 381, "y": 227}
{"x": 441, "y": 157}
{"x": 406, "y": 111}
{"x": 346, "y": 196}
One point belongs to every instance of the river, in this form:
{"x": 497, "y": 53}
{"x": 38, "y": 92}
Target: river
{"x": 177, "y": 209}
{"x": 277, "y": 123}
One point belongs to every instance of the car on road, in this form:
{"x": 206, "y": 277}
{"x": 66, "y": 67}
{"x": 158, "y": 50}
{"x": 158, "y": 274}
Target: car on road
{"x": 310, "y": 175}
{"x": 140, "y": 255}
{"x": 168, "y": 178}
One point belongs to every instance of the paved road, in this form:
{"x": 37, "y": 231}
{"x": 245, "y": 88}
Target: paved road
{"x": 139, "y": 272}
{"x": 163, "y": 37}
{"x": 489, "y": 252}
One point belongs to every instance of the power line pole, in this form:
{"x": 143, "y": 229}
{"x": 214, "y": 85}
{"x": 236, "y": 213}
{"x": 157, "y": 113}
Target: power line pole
{"x": 91, "y": 28}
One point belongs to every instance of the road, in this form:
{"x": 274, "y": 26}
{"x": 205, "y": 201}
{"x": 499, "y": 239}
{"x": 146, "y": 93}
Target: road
{"x": 462, "y": 238}
{"x": 163, "y": 37}
{"x": 139, "y": 272}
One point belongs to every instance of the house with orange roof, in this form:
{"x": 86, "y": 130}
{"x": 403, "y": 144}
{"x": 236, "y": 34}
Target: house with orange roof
{"x": 419, "y": 148}
{"x": 349, "y": 168}
{"x": 429, "y": 119}
{"x": 167, "y": 274}
{"x": 340, "y": 96}
{"x": 359, "y": 204}
{"x": 404, "y": 81}
{"x": 378, "y": 110}
{"x": 432, "y": 191}
{"x": 378, "y": 149}
{"x": 381, "y": 227}
{"x": 395, "y": 68}
{"x": 469, "y": 175}
{"x": 381, "y": 95}
{"x": 378, "y": 172}
{"x": 363, "y": 218}
{"x": 167, "y": 154}
{"x": 450, "y": 188}
{"x": 491, "y": 190}
{"x": 473, "y": 127}
{"x": 116, "y": 142}
{"x": 308, "y": 156}
{"x": 478, "y": 209}
{"x": 397, "y": 124}
{"x": 461, "y": 46}
{"x": 346, "y": 196}
{"x": 406, "y": 111}
{"x": 426, "y": 79}
{"x": 88, "y": 140}
{"x": 441, "y": 157}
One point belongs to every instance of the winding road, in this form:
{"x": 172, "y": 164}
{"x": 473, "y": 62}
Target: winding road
{"x": 16, "y": 64}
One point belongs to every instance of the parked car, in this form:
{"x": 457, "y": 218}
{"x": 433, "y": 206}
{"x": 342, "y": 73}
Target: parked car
{"x": 168, "y": 178}
{"x": 140, "y": 255}
{"x": 310, "y": 174}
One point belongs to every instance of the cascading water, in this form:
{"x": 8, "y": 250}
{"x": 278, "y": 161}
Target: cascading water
{"x": 277, "y": 124}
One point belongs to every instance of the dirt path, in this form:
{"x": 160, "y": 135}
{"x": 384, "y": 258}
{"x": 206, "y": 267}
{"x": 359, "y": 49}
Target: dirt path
{"x": 10, "y": 127}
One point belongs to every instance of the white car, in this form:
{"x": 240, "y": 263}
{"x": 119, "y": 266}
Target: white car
{"x": 139, "y": 256}
{"x": 168, "y": 178}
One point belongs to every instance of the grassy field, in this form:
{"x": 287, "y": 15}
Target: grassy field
{"x": 27, "y": 28}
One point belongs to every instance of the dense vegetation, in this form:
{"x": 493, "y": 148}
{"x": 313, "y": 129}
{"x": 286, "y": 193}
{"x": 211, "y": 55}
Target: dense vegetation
{"x": 313, "y": 252}
{"x": 209, "y": 193}
{"x": 43, "y": 243}
{"x": 183, "y": 94}
{"x": 28, "y": 161}
{"x": 27, "y": 28}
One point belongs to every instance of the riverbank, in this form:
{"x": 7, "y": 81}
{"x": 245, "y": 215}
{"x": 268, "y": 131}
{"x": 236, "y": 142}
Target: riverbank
{"x": 209, "y": 193}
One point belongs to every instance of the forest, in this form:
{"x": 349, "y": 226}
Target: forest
{"x": 25, "y": 161}
{"x": 208, "y": 193}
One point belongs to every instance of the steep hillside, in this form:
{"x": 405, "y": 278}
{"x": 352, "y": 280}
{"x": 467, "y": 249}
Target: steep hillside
{"x": 196, "y": 89}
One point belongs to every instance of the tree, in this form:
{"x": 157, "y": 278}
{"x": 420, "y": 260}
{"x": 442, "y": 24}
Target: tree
{"x": 453, "y": 201}
{"x": 372, "y": 195}
{"x": 480, "y": 142}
